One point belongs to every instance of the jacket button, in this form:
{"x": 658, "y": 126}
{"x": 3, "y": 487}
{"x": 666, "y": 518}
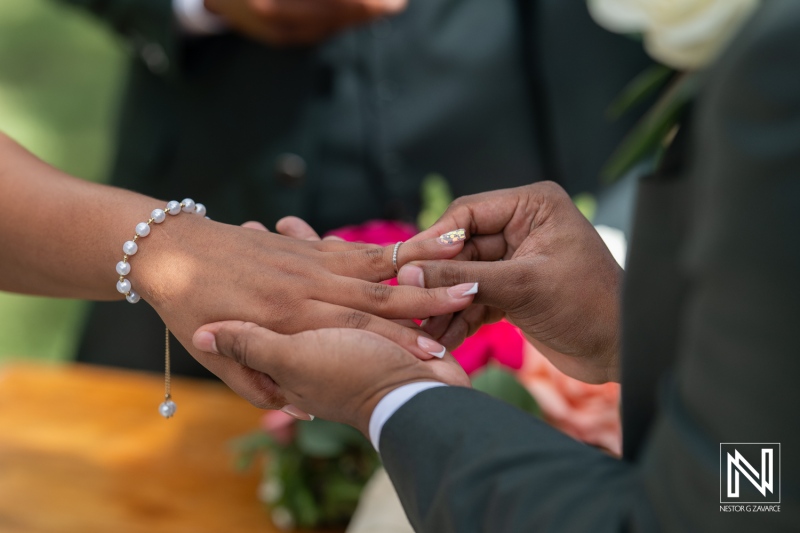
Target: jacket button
{"x": 290, "y": 170}
{"x": 155, "y": 58}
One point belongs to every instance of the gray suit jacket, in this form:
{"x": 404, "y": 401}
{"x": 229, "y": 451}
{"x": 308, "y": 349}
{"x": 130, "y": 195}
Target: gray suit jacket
{"x": 710, "y": 342}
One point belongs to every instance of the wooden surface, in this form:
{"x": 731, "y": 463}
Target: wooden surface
{"x": 83, "y": 449}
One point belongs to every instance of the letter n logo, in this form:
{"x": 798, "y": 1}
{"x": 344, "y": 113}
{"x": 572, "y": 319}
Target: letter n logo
{"x": 750, "y": 472}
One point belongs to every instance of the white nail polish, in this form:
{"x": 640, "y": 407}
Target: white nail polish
{"x": 422, "y": 324}
{"x": 472, "y": 290}
{"x": 439, "y": 354}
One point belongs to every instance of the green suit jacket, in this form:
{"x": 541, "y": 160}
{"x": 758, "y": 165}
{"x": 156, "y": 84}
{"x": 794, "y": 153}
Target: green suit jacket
{"x": 488, "y": 93}
{"x": 710, "y": 349}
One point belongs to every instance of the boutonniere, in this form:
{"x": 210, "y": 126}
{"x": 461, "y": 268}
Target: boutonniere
{"x": 685, "y": 36}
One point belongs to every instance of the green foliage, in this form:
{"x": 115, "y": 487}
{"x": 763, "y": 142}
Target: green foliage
{"x": 318, "y": 477}
{"x": 586, "y": 204}
{"x": 640, "y": 89}
{"x": 60, "y": 73}
{"x": 503, "y": 385}
{"x": 436, "y": 197}
{"x": 649, "y": 138}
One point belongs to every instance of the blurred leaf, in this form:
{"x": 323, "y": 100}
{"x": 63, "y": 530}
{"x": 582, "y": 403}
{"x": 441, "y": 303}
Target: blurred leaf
{"x": 647, "y": 138}
{"x": 303, "y": 506}
{"x": 639, "y": 89}
{"x": 436, "y": 197}
{"x": 249, "y": 446}
{"x": 586, "y": 204}
{"x": 320, "y": 438}
{"x": 503, "y": 385}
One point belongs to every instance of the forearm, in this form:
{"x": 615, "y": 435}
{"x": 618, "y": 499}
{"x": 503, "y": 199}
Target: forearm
{"x": 61, "y": 236}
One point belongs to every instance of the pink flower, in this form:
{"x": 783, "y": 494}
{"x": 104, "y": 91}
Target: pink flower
{"x": 279, "y": 426}
{"x": 382, "y": 232}
{"x": 589, "y": 413}
{"x": 501, "y": 342}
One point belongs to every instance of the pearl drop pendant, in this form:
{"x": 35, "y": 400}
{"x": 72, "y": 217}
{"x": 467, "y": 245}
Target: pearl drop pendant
{"x": 167, "y": 408}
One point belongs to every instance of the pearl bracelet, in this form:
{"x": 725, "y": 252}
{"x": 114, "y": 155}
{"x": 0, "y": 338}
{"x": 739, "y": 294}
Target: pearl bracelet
{"x": 167, "y": 407}
{"x": 143, "y": 230}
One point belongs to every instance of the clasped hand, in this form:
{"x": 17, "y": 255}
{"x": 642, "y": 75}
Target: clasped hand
{"x": 539, "y": 263}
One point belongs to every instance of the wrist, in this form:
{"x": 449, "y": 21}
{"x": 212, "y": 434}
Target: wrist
{"x": 164, "y": 263}
{"x": 389, "y": 403}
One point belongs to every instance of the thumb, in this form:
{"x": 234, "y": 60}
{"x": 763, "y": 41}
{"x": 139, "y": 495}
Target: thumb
{"x": 246, "y": 343}
{"x": 496, "y": 279}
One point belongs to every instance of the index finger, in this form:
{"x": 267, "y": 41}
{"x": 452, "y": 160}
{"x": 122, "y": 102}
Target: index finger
{"x": 484, "y": 214}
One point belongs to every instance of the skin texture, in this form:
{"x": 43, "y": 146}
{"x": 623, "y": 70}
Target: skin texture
{"x": 299, "y": 22}
{"x": 62, "y": 236}
{"x": 366, "y": 366}
{"x": 557, "y": 281}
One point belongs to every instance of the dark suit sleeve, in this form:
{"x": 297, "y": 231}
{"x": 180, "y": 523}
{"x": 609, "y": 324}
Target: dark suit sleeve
{"x": 149, "y": 26}
{"x": 464, "y": 463}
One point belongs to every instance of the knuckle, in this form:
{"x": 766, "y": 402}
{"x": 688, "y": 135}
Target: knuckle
{"x": 378, "y": 294}
{"x": 375, "y": 258}
{"x": 356, "y": 320}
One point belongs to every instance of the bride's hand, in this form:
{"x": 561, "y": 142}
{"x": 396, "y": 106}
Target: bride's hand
{"x": 196, "y": 271}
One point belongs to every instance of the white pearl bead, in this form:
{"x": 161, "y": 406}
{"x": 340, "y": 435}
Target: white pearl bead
{"x": 130, "y": 248}
{"x": 188, "y": 205}
{"x": 173, "y": 208}
{"x": 158, "y": 216}
{"x": 167, "y": 409}
{"x": 123, "y": 268}
{"x": 200, "y": 209}
{"x": 133, "y": 296}
{"x": 124, "y": 286}
{"x": 142, "y": 229}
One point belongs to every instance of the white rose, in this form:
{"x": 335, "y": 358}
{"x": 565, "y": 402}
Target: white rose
{"x": 684, "y": 34}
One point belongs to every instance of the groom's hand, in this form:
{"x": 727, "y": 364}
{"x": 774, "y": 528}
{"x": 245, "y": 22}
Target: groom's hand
{"x": 299, "y": 22}
{"x": 541, "y": 264}
{"x": 338, "y": 374}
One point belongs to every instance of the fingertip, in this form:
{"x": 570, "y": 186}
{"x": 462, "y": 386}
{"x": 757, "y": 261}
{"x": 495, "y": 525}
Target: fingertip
{"x": 254, "y": 224}
{"x": 204, "y": 340}
{"x": 411, "y": 275}
{"x": 297, "y": 228}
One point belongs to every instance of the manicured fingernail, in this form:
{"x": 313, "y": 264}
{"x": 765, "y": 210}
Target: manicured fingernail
{"x": 452, "y": 237}
{"x": 411, "y": 275}
{"x": 422, "y": 324}
{"x": 465, "y": 289}
{"x": 206, "y": 341}
{"x": 291, "y": 410}
{"x": 431, "y": 347}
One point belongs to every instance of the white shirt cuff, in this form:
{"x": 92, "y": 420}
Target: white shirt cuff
{"x": 195, "y": 19}
{"x": 393, "y": 401}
